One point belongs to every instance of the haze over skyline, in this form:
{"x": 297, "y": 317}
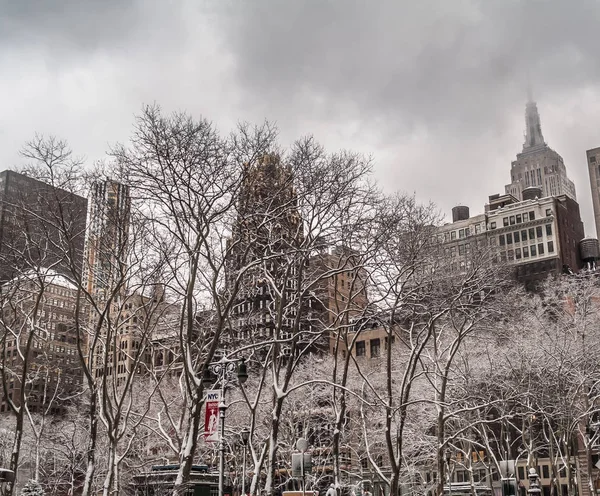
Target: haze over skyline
{"x": 435, "y": 91}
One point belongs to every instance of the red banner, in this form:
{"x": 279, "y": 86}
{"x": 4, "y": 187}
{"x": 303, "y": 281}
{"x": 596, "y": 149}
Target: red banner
{"x": 211, "y": 418}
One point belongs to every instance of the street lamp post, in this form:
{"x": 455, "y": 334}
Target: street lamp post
{"x": 448, "y": 458}
{"x": 222, "y": 370}
{"x": 302, "y": 445}
{"x": 534, "y": 482}
{"x": 245, "y": 436}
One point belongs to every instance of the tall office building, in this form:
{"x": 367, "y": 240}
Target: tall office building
{"x": 41, "y": 226}
{"x": 593, "y": 160}
{"x": 538, "y": 165}
{"x": 107, "y": 236}
{"x": 268, "y": 226}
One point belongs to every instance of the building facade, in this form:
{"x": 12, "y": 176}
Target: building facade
{"x": 107, "y": 236}
{"x": 537, "y": 236}
{"x": 268, "y": 228}
{"x": 340, "y": 296}
{"x": 593, "y": 161}
{"x": 39, "y": 310}
{"x": 40, "y": 226}
{"x": 538, "y": 165}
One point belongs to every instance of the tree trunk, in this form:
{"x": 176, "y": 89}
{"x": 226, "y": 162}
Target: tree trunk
{"x": 16, "y": 451}
{"x": 91, "y": 451}
{"x": 186, "y": 458}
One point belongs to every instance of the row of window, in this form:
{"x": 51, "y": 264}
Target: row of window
{"x": 375, "y": 347}
{"x": 512, "y": 220}
{"x": 526, "y": 252}
{"x": 524, "y": 235}
{"x": 461, "y": 233}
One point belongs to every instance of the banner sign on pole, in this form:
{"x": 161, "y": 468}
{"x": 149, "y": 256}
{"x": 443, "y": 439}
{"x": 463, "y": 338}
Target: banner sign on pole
{"x": 211, "y": 418}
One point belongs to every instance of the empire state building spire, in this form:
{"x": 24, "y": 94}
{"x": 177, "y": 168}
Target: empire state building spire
{"x": 533, "y": 126}
{"x": 538, "y": 165}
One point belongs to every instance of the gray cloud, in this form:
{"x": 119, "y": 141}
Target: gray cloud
{"x": 435, "y": 90}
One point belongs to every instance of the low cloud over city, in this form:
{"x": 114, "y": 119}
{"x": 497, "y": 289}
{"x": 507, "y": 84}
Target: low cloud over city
{"x": 435, "y": 91}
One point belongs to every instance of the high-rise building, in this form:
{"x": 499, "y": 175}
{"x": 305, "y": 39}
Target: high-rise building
{"x": 538, "y": 165}
{"x": 267, "y": 227}
{"x": 107, "y": 236}
{"x": 593, "y": 161}
{"x": 40, "y": 226}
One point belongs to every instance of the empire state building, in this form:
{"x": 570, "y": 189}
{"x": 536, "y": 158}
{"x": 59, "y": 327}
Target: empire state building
{"x": 538, "y": 165}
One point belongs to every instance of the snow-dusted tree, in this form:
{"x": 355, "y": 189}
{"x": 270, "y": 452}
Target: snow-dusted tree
{"x": 32, "y": 488}
{"x": 44, "y": 243}
{"x": 188, "y": 177}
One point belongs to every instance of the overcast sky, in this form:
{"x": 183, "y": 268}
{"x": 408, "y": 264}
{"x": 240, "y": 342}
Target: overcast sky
{"x": 434, "y": 90}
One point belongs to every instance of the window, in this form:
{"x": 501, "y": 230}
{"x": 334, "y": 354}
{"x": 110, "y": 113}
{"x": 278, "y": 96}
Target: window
{"x": 512, "y": 220}
{"x": 511, "y": 254}
{"x": 519, "y": 218}
{"x": 525, "y": 252}
{"x": 541, "y": 248}
{"x": 518, "y": 253}
{"x": 446, "y": 238}
{"x": 477, "y": 228}
{"x": 509, "y": 239}
{"x": 548, "y": 229}
{"x": 532, "y": 215}
{"x": 461, "y": 233}
{"x": 538, "y": 230}
{"x": 516, "y": 235}
{"x": 524, "y": 235}
{"x": 360, "y": 348}
{"x": 521, "y": 471}
{"x": 492, "y": 225}
{"x": 375, "y": 347}
{"x": 453, "y": 235}
{"x": 461, "y": 249}
{"x": 502, "y": 240}
{"x": 545, "y": 471}
{"x": 548, "y": 212}
{"x": 525, "y": 217}
{"x": 505, "y": 221}
{"x": 467, "y": 231}
{"x": 533, "y": 250}
{"x": 550, "y": 246}
{"x": 532, "y": 233}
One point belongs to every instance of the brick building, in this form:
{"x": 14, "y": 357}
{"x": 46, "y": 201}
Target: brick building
{"x": 38, "y": 330}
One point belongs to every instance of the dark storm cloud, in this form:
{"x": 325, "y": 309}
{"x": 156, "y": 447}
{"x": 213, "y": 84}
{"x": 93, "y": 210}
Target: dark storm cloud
{"x": 67, "y": 25}
{"x": 414, "y": 62}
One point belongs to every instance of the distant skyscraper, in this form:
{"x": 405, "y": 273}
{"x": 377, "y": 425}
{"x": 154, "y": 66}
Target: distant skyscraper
{"x": 538, "y": 165}
{"x": 107, "y": 236}
{"x": 593, "y": 160}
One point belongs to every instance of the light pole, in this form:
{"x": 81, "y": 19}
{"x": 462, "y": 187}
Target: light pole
{"x": 534, "y": 482}
{"x": 222, "y": 370}
{"x": 245, "y": 436}
{"x": 302, "y": 446}
{"x": 448, "y": 458}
